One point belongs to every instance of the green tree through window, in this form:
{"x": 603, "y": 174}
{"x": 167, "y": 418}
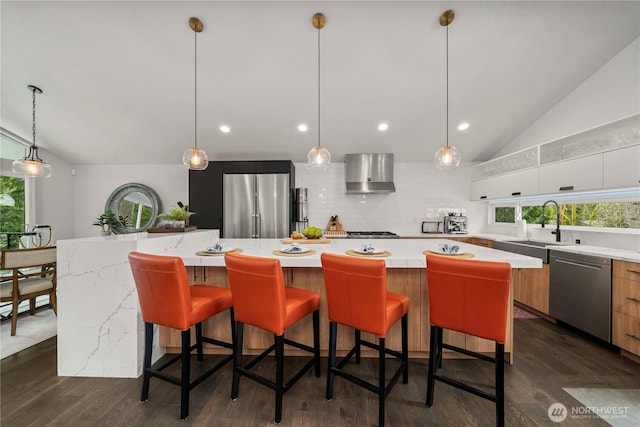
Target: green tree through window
{"x": 12, "y": 206}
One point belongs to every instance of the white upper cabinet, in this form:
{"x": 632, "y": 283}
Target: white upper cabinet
{"x": 484, "y": 189}
{"x": 517, "y": 184}
{"x": 622, "y": 168}
{"x": 584, "y": 173}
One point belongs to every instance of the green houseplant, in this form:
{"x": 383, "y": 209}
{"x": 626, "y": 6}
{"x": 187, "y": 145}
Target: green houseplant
{"x": 107, "y": 220}
{"x": 176, "y": 216}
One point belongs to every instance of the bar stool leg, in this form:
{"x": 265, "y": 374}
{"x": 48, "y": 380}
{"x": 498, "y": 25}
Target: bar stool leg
{"x": 316, "y": 341}
{"x": 405, "y": 349}
{"x": 500, "y": 384}
{"x": 433, "y": 351}
{"x": 333, "y": 330}
{"x": 381, "y": 382}
{"x": 148, "y": 343}
{"x": 199, "y": 341}
{"x": 357, "y": 339}
{"x": 237, "y": 360}
{"x": 186, "y": 370}
{"x": 279, "y": 376}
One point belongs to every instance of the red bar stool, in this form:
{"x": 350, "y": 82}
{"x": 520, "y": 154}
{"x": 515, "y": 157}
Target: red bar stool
{"x": 357, "y": 297}
{"x": 167, "y": 299}
{"x": 471, "y": 297}
{"x": 261, "y": 299}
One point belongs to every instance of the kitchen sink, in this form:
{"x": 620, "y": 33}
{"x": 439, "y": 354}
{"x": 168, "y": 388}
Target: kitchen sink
{"x": 532, "y": 248}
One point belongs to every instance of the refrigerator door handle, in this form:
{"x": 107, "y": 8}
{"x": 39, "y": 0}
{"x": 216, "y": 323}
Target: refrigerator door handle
{"x": 254, "y": 227}
{"x": 259, "y": 225}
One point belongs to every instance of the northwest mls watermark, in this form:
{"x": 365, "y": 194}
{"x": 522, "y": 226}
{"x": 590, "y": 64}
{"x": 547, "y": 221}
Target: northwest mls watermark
{"x": 558, "y": 412}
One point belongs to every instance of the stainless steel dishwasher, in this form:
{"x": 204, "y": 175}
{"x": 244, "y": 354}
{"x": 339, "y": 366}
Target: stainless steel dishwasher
{"x": 580, "y": 292}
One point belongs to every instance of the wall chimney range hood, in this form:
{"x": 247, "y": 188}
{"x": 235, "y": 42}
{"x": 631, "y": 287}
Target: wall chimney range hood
{"x": 369, "y": 173}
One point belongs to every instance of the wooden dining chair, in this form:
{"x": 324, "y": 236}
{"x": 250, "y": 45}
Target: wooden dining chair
{"x": 33, "y": 274}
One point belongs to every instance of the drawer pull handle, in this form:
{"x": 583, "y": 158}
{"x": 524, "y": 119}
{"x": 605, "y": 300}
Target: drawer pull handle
{"x": 567, "y": 188}
{"x": 632, "y": 336}
{"x": 516, "y": 193}
{"x": 633, "y": 271}
{"x": 483, "y": 197}
{"x": 633, "y": 299}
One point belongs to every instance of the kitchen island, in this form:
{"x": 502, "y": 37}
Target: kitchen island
{"x": 100, "y": 331}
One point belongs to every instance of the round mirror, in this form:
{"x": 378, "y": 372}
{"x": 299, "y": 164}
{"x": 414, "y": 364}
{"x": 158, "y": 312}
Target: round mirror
{"x": 137, "y": 204}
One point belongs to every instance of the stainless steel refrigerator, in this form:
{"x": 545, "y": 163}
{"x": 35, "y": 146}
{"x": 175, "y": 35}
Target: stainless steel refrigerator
{"x": 256, "y": 205}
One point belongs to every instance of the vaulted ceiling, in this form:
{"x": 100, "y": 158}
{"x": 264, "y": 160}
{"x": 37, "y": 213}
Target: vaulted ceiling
{"x": 118, "y": 77}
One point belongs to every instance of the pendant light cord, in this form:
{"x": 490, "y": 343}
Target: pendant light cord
{"x": 34, "y": 116}
{"x": 447, "y": 85}
{"x": 195, "y": 87}
{"x": 319, "y": 87}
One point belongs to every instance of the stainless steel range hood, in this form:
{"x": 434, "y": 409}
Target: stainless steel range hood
{"x": 369, "y": 173}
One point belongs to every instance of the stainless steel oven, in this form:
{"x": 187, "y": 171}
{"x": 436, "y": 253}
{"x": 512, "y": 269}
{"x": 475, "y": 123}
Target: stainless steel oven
{"x": 580, "y": 292}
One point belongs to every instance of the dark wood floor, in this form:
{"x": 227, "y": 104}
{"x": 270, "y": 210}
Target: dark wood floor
{"x": 548, "y": 358}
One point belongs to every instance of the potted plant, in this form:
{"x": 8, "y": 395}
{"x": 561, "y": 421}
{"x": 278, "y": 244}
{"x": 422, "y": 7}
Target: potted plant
{"x": 107, "y": 220}
{"x": 176, "y": 216}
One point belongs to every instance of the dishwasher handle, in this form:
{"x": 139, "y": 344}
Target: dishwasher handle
{"x": 578, "y": 263}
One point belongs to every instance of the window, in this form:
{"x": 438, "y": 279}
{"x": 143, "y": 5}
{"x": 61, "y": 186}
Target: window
{"x": 12, "y": 206}
{"x": 606, "y": 214}
{"x": 585, "y": 210}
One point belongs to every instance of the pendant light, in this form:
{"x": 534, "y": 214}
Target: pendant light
{"x": 32, "y": 164}
{"x": 318, "y": 156}
{"x": 447, "y": 157}
{"x": 195, "y": 158}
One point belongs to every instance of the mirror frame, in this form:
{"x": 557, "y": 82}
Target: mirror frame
{"x": 118, "y": 195}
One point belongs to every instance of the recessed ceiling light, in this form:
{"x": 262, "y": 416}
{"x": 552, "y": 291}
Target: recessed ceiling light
{"x": 302, "y": 127}
{"x": 463, "y": 126}
{"x": 383, "y": 126}
{"x": 225, "y": 129}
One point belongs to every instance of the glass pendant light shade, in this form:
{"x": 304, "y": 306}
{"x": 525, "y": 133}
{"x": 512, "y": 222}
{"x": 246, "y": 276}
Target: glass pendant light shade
{"x": 32, "y": 164}
{"x": 195, "y": 159}
{"x": 447, "y": 157}
{"x": 318, "y": 157}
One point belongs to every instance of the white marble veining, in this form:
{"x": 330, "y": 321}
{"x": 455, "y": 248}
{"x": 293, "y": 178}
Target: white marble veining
{"x": 100, "y": 327}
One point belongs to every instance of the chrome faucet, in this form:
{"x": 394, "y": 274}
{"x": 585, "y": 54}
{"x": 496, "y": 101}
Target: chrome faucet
{"x": 557, "y": 232}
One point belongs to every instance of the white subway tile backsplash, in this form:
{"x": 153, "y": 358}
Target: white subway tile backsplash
{"x": 421, "y": 192}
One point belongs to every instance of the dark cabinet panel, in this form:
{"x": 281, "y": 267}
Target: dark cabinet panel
{"x": 206, "y": 190}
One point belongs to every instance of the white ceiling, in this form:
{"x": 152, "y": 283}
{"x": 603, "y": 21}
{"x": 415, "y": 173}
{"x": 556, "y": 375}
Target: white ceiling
{"x": 118, "y": 77}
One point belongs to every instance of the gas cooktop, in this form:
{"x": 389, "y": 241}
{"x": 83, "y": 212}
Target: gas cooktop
{"x": 371, "y": 235}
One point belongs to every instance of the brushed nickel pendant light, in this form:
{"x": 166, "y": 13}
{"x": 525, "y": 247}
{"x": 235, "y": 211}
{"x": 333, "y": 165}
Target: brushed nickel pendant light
{"x": 318, "y": 156}
{"x": 195, "y": 158}
{"x": 447, "y": 157}
{"x": 32, "y": 164}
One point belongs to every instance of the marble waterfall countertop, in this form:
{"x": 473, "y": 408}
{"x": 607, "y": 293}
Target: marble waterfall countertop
{"x": 405, "y": 253}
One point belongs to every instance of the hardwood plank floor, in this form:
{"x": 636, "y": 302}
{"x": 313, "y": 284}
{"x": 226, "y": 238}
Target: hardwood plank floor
{"x": 548, "y": 358}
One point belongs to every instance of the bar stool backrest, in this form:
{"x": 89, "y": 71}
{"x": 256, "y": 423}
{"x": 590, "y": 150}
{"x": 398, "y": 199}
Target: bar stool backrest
{"x": 257, "y": 286}
{"x": 163, "y": 289}
{"x": 356, "y": 292}
{"x": 469, "y": 296}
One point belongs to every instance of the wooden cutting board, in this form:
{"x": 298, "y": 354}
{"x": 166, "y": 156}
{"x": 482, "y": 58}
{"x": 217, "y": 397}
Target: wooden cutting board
{"x": 289, "y": 240}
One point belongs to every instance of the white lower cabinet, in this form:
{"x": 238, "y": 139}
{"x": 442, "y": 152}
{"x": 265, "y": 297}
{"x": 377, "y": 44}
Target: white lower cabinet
{"x": 584, "y": 173}
{"x": 622, "y": 167}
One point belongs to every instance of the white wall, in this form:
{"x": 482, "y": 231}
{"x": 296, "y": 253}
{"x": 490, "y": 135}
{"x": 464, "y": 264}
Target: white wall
{"x": 421, "y": 190}
{"x": 613, "y": 92}
{"x": 92, "y": 186}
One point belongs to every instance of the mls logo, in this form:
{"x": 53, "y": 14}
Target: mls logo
{"x": 557, "y": 412}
